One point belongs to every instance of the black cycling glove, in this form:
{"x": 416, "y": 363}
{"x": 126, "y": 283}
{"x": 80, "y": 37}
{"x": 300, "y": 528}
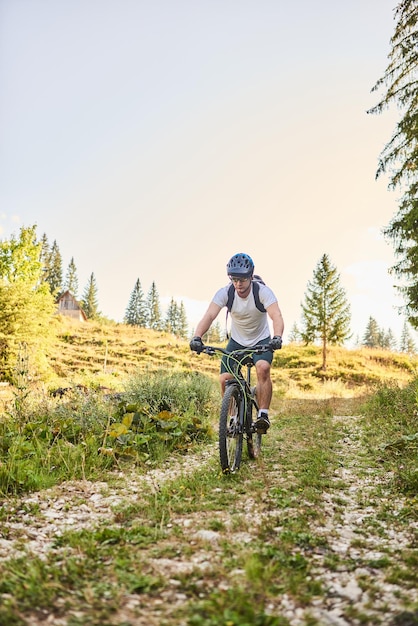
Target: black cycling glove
{"x": 196, "y": 345}
{"x": 276, "y": 342}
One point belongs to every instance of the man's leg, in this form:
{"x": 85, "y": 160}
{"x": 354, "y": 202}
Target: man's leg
{"x": 222, "y": 379}
{"x": 264, "y": 384}
{"x": 225, "y": 365}
{"x": 264, "y": 393}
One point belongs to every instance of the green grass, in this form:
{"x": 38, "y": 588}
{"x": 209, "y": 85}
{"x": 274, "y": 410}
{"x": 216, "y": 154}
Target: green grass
{"x": 276, "y": 502}
{"x": 46, "y": 440}
{"x": 231, "y": 547}
{"x": 392, "y": 433}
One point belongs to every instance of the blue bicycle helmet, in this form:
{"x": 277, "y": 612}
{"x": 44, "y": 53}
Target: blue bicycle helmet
{"x": 240, "y": 265}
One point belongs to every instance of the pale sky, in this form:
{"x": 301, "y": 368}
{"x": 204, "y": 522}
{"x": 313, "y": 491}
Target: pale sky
{"x": 155, "y": 139}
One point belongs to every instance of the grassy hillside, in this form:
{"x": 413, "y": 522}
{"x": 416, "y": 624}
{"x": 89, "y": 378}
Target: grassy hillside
{"x": 95, "y": 354}
{"x": 115, "y": 510}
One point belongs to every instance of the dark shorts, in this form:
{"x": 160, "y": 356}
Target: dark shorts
{"x": 233, "y": 345}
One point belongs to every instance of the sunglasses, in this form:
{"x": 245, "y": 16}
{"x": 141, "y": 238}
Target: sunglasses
{"x": 236, "y": 279}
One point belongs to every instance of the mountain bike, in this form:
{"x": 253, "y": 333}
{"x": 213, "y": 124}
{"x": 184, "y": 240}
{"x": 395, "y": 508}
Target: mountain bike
{"x": 238, "y": 405}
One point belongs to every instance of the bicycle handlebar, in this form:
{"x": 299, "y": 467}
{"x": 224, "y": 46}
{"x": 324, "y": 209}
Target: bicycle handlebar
{"x": 241, "y": 352}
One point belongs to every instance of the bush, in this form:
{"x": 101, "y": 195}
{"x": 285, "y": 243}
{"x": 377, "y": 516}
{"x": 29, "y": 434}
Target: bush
{"x": 46, "y": 440}
{"x": 161, "y": 412}
{"x": 393, "y": 431}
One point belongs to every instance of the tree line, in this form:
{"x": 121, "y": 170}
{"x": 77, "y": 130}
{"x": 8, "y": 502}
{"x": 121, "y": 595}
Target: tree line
{"x": 31, "y": 277}
{"x": 142, "y": 310}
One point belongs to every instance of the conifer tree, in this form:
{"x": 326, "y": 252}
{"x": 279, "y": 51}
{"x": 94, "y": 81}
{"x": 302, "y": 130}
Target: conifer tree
{"x": 399, "y": 157}
{"x": 90, "y": 300}
{"x": 55, "y": 269}
{"x": 176, "y": 320}
{"x": 294, "y": 335}
{"x": 372, "y": 334}
{"x": 154, "y": 318}
{"x": 171, "y": 318}
{"x": 183, "y": 325}
{"x": 45, "y": 257}
{"x": 71, "y": 280}
{"x": 407, "y": 343}
{"x": 326, "y": 312}
{"x": 388, "y": 340}
{"x": 214, "y": 334}
{"x": 136, "y": 314}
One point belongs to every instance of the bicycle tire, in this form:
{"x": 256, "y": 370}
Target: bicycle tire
{"x": 254, "y": 445}
{"x": 253, "y": 438}
{"x": 230, "y": 430}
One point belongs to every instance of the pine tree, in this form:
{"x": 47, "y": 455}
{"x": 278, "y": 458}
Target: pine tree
{"x": 90, "y": 301}
{"x": 372, "y": 335}
{"x": 294, "y": 335}
{"x": 136, "y": 314}
{"x": 175, "y": 320}
{"x": 388, "y": 341}
{"x": 71, "y": 280}
{"x": 400, "y": 155}
{"x": 55, "y": 269}
{"x": 153, "y": 308}
{"x": 214, "y": 334}
{"x": 407, "y": 343}
{"x": 171, "y": 318}
{"x": 45, "y": 254}
{"x": 183, "y": 325}
{"x": 326, "y": 312}
{"x": 377, "y": 337}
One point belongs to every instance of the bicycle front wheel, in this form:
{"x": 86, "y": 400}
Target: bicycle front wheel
{"x": 230, "y": 430}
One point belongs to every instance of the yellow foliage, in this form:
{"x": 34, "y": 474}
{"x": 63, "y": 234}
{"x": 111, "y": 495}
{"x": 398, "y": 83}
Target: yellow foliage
{"x": 165, "y": 415}
{"x": 118, "y": 430}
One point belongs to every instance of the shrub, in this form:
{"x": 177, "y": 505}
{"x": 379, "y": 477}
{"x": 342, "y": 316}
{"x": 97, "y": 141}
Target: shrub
{"x": 161, "y": 410}
{"x": 45, "y": 440}
{"x": 393, "y": 431}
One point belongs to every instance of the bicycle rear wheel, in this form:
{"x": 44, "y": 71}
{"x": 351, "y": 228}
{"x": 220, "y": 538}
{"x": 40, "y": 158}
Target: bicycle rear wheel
{"x": 253, "y": 437}
{"x": 230, "y": 430}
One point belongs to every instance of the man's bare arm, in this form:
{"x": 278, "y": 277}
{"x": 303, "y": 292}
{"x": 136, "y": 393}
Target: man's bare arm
{"x": 207, "y": 320}
{"x": 276, "y": 317}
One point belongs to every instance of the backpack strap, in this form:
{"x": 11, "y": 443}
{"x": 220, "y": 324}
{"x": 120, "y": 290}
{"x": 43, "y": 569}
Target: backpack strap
{"x": 230, "y": 301}
{"x": 231, "y": 295}
{"x": 256, "y": 294}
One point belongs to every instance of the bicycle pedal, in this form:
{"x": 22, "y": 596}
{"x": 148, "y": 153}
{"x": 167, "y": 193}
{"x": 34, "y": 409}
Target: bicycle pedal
{"x": 262, "y": 425}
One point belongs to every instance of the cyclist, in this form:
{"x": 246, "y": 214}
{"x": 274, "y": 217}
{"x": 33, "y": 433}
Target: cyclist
{"x": 249, "y": 327}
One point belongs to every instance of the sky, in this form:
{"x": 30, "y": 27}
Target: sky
{"x": 154, "y": 140}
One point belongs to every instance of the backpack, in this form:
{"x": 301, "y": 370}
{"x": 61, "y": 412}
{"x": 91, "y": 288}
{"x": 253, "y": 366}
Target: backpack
{"x": 256, "y": 293}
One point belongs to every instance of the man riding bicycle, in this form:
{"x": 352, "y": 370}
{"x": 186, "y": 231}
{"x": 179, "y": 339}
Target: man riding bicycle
{"x": 249, "y": 327}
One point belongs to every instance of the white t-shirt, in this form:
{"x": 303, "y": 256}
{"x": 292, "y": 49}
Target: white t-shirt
{"x": 248, "y": 324}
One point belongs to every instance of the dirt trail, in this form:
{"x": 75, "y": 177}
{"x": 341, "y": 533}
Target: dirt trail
{"x": 362, "y": 543}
